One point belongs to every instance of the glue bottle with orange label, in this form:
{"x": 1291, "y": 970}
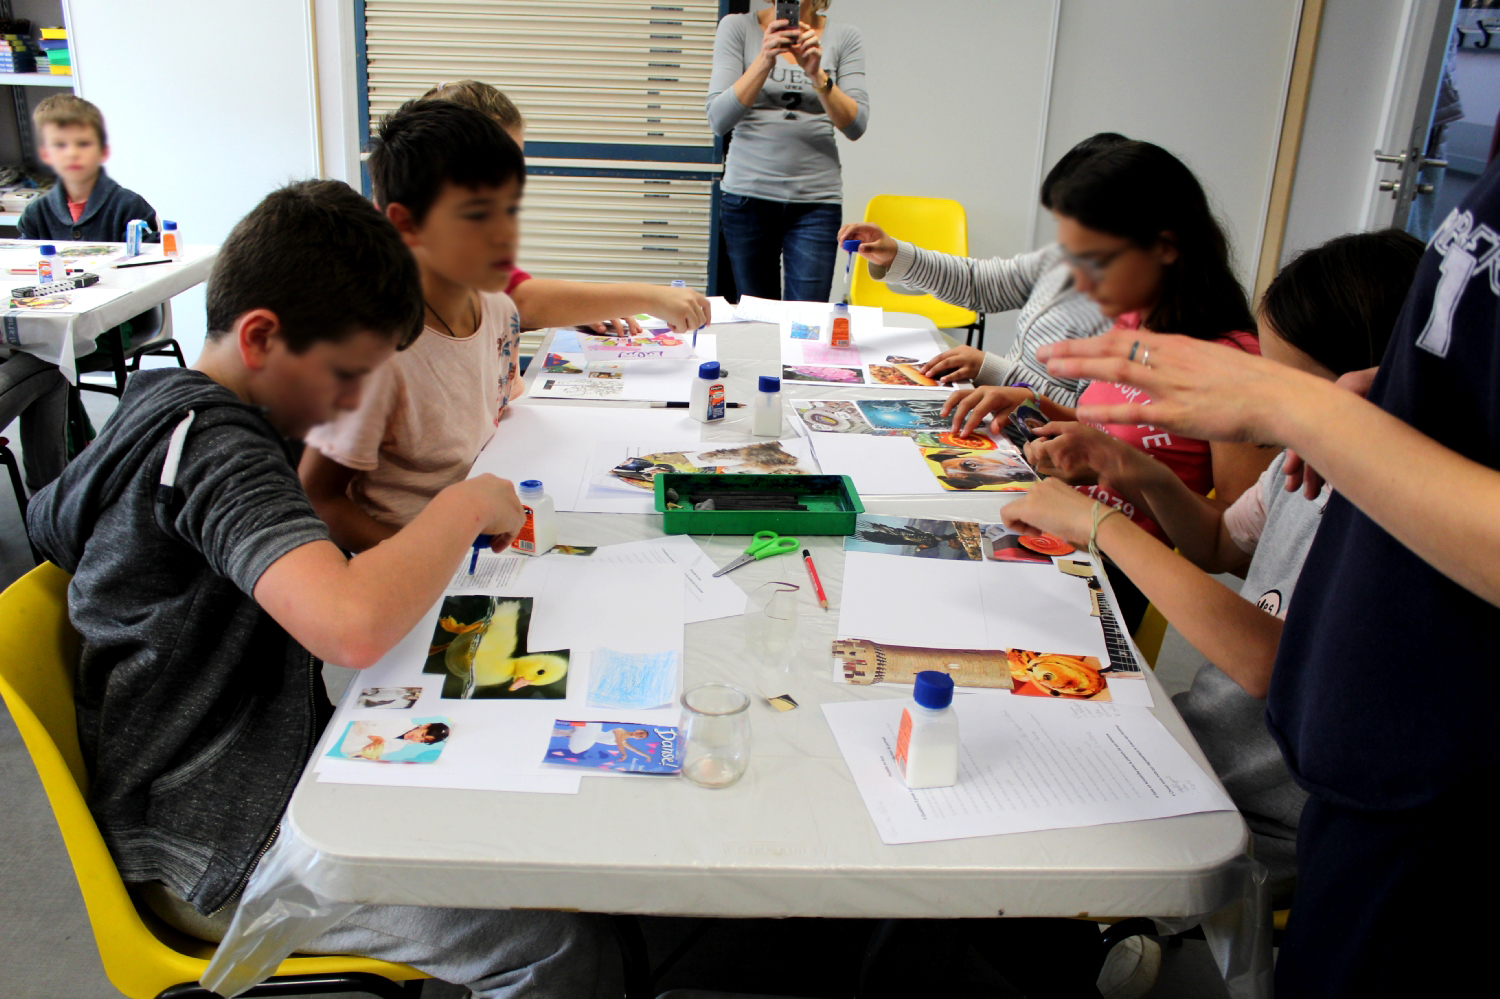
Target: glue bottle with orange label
{"x": 538, "y": 535}
{"x": 927, "y": 744}
{"x": 171, "y": 245}
{"x": 838, "y": 326}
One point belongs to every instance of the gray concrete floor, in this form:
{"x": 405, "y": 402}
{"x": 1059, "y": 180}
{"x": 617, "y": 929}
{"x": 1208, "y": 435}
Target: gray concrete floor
{"x": 47, "y": 948}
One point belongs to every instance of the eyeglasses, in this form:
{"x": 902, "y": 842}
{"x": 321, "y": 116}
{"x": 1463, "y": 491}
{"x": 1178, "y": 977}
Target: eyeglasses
{"x": 1093, "y": 267}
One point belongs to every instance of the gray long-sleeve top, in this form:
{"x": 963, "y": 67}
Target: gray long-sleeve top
{"x": 1039, "y": 283}
{"x": 784, "y": 148}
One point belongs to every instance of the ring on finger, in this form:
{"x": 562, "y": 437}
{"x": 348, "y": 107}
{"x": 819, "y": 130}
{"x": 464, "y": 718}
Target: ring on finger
{"x": 1133, "y": 349}
{"x": 1146, "y": 358}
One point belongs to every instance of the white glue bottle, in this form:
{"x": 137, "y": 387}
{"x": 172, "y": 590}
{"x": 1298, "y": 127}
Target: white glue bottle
{"x": 46, "y": 265}
{"x": 927, "y": 745}
{"x": 539, "y": 534}
{"x": 171, "y": 245}
{"x": 765, "y": 418}
{"x": 838, "y": 327}
{"x": 706, "y": 401}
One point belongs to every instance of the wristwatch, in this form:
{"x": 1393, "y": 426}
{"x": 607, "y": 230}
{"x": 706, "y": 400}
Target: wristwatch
{"x": 829, "y": 87}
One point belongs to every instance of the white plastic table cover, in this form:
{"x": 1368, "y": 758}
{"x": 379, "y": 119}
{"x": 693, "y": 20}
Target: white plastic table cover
{"x": 793, "y": 837}
{"x": 64, "y": 336}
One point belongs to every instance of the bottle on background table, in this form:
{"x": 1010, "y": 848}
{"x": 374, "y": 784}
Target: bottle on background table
{"x": 46, "y": 265}
{"x": 765, "y": 419}
{"x": 171, "y": 245}
{"x": 838, "y": 326}
{"x": 706, "y": 400}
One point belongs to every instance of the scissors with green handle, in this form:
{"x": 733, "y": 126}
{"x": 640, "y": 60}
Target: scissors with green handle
{"x": 766, "y": 544}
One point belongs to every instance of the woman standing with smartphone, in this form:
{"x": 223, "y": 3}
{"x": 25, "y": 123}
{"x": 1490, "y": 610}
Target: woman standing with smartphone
{"x": 782, "y": 89}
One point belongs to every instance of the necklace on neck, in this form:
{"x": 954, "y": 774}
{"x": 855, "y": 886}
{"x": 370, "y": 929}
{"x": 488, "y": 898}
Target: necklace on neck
{"x": 473, "y": 314}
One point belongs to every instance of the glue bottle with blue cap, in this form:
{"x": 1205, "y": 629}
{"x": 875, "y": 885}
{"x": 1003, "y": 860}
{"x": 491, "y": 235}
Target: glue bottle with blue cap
{"x": 927, "y": 743}
{"x": 706, "y": 399}
{"x": 46, "y": 265}
{"x": 765, "y": 418}
{"x": 538, "y": 535}
{"x": 850, "y": 247}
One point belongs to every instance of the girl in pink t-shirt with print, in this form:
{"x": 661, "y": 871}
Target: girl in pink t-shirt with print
{"x": 1136, "y": 227}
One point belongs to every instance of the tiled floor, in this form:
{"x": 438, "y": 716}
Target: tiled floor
{"x": 47, "y": 949}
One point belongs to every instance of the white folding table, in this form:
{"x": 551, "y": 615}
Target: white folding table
{"x": 63, "y": 334}
{"x": 793, "y": 838}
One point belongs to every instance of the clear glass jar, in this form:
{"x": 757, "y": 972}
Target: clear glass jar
{"x": 715, "y": 734}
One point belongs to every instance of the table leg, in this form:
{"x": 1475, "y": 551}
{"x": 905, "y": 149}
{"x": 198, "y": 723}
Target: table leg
{"x": 634, "y": 955}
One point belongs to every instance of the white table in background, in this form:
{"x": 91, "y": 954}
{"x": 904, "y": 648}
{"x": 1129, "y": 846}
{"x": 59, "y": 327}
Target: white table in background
{"x": 793, "y": 838}
{"x": 64, "y": 335}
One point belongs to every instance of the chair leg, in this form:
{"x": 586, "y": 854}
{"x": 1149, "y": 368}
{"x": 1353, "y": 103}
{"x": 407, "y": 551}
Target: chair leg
{"x": 634, "y": 955}
{"x": 299, "y": 985}
{"x": 8, "y": 459}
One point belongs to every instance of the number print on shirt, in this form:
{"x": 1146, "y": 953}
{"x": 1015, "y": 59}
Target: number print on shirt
{"x": 1467, "y": 251}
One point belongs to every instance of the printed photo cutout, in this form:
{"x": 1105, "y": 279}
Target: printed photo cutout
{"x": 625, "y": 747}
{"x": 821, "y": 373}
{"x": 803, "y": 331}
{"x": 953, "y": 540}
{"x": 864, "y": 662}
{"x": 1000, "y": 470}
{"x": 397, "y": 698}
{"x": 393, "y": 740}
{"x": 41, "y": 302}
{"x": 479, "y": 647}
{"x": 557, "y": 364}
{"x": 574, "y": 549}
{"x": 606, "y": 370}
{"x": 947, "y": 438}
{"x": 901, "y": 372}
{"x": 905, "y": 414}
{"x": 1023, "y": 423}
{"x": 760, "y": 458}
{"x": 1000, "y": 545}
{"x": 831, "y": 416}
{"x": 1040, "y": 674}
{"x": 642, "y": 470}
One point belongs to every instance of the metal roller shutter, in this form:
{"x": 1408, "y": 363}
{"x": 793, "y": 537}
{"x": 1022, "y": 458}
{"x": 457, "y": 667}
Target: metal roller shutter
{"x": 604, "y": 86}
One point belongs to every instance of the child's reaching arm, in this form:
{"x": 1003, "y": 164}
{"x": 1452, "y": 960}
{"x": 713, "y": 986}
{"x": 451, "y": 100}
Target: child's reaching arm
{"x": 353, "y": 611}
{"x": 1234, "y": 634}
{"x": 544, "y": 302}
{"x": 327, "y": 485}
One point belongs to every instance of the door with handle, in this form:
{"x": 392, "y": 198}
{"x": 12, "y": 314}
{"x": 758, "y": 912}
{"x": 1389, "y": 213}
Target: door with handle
{"x": 1406, "y": 155}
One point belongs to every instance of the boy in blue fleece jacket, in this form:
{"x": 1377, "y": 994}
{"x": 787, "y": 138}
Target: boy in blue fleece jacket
{"x": 85, "y": 203}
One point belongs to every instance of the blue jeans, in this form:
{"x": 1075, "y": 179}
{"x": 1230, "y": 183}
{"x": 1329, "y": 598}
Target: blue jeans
{"x": 759, "y": 234}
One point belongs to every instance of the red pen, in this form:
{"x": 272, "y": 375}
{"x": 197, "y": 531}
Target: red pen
{"x": 812, "y": 572}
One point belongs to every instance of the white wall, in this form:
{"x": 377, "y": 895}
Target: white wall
{"x": 1345, "y": 108}
{"x": 1206, "y": 80}
{"x": 209, "y": 107}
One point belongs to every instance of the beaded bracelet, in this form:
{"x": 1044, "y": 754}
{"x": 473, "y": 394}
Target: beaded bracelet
{"x": 1101, "y": 514}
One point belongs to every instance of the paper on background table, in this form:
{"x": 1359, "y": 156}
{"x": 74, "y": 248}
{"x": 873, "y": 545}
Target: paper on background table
{"x": 750, "y": 309}
{"x": 602, "y": 492}
{"x": 721, "y": 311}
{"x": 1025, "y": 764}
{"x": 552, "y": 443}
{"x": 878, "y": 465}
{"x": 577, "y": 606}
{"x": 706, "y": 598}
{"x": 668, "y": 380}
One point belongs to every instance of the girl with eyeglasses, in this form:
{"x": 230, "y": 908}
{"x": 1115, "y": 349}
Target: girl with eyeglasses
{"x": 1135, "y": 226}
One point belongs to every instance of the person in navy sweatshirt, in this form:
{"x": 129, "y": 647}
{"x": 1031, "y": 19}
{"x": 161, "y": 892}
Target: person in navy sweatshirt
{"x": 85, "y": 204}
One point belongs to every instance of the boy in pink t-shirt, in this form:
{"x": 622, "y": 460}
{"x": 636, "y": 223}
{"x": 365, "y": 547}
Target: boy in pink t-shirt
{"x": 450, "y": 180}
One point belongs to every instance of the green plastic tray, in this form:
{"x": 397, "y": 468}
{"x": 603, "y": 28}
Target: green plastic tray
{"x": 832, "y": 504}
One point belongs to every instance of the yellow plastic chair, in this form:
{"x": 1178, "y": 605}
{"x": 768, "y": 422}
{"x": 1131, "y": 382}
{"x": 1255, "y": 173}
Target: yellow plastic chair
{"x": 937, "y": 224}
{"x": 143, "y": 957}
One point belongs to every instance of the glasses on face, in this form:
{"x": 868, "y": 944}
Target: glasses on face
{"x": 1093, "y": 267}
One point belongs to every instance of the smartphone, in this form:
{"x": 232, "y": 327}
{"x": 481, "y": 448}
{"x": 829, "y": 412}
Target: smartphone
{"x": 789, "y": 11}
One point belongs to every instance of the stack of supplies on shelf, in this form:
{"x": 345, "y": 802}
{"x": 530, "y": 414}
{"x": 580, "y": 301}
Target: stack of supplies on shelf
{"x": 16, "y": 55}
{"x": 55, "y": 48}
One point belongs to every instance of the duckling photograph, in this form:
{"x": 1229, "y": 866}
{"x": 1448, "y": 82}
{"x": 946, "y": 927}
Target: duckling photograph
{"x": 479, "y": 646}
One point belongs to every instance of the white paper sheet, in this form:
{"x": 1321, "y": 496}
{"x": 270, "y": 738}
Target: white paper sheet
{"x": 878, "y": 465}
{"x": 498, "y": 744}
{"x": 721, "y": 311}
{"x": 932, "y": 603}
{"x": 492, "y": 572}
{"x": 807, "y": 360}
{"x": 1025, "y": 765}
{"x": 552, "y": 443}
{"x": 750, "y": 309}
{"x": 706, "y": 598}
